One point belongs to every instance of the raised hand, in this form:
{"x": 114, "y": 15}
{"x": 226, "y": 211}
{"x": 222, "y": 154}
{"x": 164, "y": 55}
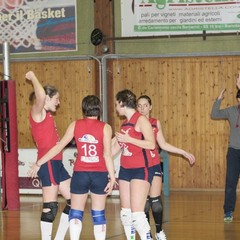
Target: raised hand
{"x": 30, "y": 75}
{"x": 221, "y": 94}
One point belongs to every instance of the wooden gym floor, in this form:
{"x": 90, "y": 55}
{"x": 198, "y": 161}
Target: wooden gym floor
{"x": 187, "y": 216}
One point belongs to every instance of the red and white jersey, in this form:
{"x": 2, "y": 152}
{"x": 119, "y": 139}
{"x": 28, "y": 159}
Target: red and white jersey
{"x": 45, "y": 135}
{"x": 133, "y": 156}
{"x": 154, "y": 153}
{"x": 88, "y": 134}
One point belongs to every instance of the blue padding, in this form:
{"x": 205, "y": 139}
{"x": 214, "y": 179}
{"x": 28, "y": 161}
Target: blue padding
{"x": 165, "y": 157}
{"x": 98, "y": 217}
{"x": 75, "y": 214}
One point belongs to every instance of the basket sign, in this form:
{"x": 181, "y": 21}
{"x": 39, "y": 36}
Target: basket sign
{"x": 38, "y": 25}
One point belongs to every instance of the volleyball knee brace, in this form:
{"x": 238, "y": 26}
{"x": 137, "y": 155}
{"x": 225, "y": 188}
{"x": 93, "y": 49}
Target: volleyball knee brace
{"x": 156, "y": 204}
{"x": 147, "y": 206}
{"x": 126, "y": 216}
{"x": 67, "y": 207}
{"x": 75, "y": 214}
{"x": 50, "y": 215}
{"x": 98, "y": 217}
{"x": 140, "y": 222}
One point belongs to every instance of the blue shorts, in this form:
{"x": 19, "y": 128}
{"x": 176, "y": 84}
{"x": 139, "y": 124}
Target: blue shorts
{"x": 129, "y": 174}
{"x": 52, "y": 172}
{"x": 83, "y": 182}
{"x": 157, "y": 170}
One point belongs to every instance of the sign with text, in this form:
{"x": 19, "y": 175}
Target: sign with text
{"x": 38, "y": 25}
{"x": 175, "y": 17}
{"x": 33, "y": 186}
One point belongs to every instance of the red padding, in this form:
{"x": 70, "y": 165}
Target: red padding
{"x": 10, "y": 181}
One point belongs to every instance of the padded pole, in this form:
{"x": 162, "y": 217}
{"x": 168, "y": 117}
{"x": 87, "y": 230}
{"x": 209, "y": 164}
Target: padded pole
{"x": 12, "y": 180}
{"x": 9, "y": 137}
{"x": 165, "y": 157}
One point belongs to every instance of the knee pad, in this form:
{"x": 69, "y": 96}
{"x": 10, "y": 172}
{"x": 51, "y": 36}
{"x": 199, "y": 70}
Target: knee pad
{"x": 156, "y": 204}
{"x": 140, "y": 222}
{"x": 147, "y": 206}
{"x": 126, "y": 216}
{"x": 98, "y": 217}
{"x": 75, "y": 214}
{"x": 50, "y": 215}
{"x": 67, "y": 207}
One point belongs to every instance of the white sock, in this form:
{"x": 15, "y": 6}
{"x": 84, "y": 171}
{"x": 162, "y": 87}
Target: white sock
{"x": 62, "y": 227}
{"x": 142, "y": 225}
{"x": 46, "y": 230}
{"x": 100, "y": 231}
{"x": 126, "y": 216}
{"x": 130, "y": 232}
{"x": 75, "y": 227}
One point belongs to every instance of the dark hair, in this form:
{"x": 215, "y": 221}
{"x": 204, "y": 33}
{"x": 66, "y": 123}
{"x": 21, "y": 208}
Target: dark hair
{"x": 91, "y": 106}
{"x": 145, "y": 97}
{"x": 49, "y": 90}
{"x": 127, "y": 98}
{"x": 238, "y": 94}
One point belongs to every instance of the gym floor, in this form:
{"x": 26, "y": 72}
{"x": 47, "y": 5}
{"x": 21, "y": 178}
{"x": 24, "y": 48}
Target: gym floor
{"x": 188, "y": 215}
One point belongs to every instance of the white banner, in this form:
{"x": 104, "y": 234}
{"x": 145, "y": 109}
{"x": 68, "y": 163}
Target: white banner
{"x": 28, "y": 156}
{"x": 175, "y": 17}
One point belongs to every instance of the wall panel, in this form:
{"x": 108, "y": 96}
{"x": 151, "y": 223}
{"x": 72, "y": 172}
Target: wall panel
{"x": 73, "y": 79}
{"x": 182, "y": 90}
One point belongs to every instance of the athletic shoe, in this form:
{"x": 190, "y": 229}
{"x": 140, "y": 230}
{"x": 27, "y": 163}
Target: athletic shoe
{"x": 228, "y": 216}
{"x": 161, "y": 236}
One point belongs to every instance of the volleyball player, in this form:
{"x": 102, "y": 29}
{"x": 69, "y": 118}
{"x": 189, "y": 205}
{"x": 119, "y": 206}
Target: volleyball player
{"x": 54, "y": 177}
{"x": 135, "y": 140}
{"x": 154, "y": 201}
{"x": 93, "y": 168}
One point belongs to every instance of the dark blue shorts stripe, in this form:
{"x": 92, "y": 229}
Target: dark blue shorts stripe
{"x": 129, "y": 174}
{"x": 58, "y": 173}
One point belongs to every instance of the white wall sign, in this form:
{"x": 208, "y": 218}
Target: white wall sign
{"x": 28, "y": 156}
{"x": 174, "y": 17}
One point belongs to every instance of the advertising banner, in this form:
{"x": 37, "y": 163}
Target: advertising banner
{"x": 38, "y": 25}
{"x": 178, "y": 17}
{"x": 33, "y": 185}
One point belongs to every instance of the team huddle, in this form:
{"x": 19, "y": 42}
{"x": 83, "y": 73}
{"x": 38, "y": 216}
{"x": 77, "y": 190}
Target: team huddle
{"x": 140, "y": 174}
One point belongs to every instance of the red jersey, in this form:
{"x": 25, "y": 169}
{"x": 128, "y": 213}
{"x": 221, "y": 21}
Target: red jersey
{"x": 154, "y": 153}
{"x": 133, "y": 156}
{"x": 88, "y": 134}
{"x": 45, "y": 135}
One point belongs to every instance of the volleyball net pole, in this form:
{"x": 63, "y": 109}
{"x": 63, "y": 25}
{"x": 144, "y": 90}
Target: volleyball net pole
{"x": 9, "y": 137}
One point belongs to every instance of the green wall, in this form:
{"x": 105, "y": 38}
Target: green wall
{"x": 176, "y": 45}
